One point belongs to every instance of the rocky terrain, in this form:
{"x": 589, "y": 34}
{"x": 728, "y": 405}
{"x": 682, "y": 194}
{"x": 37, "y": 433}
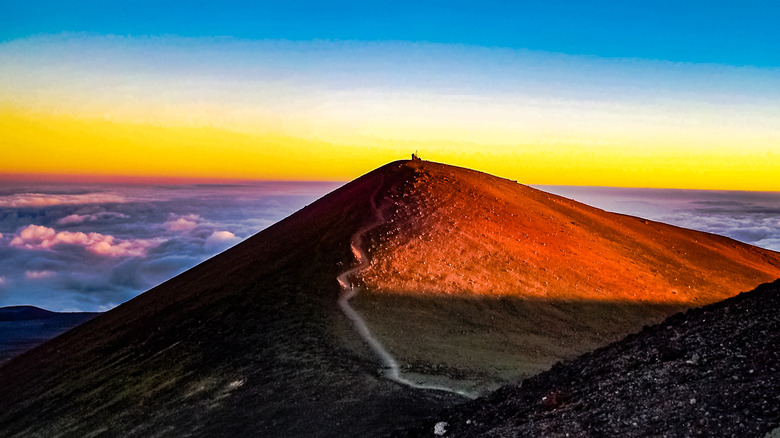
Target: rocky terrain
{"x": 712, "y": 371}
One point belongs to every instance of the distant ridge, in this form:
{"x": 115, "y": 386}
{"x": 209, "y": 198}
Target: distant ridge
{"x": 21, "y": 313}
{"x": 471, "y": 281}
{"x": 25, "y": 327}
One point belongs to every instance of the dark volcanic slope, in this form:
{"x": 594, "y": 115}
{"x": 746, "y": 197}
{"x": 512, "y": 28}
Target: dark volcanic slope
{"x": 711, "y": 371}
{"x": 24, "y": 327}
{"x": 249, "y": 343}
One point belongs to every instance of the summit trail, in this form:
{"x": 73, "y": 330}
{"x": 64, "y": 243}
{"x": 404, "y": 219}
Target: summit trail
{"x": 348, "y": 290}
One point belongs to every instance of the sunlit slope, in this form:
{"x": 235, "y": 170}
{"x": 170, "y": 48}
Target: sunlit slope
{"x": 476, "y": 280}
{"x": 453, "y": 231}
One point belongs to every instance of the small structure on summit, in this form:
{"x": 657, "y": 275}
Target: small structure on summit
{"x": 415, "y": 157}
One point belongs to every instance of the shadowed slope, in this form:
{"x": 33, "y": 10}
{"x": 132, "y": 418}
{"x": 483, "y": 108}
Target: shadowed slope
{"x": 249, "y": 343}
{"x": 711, "y": 371}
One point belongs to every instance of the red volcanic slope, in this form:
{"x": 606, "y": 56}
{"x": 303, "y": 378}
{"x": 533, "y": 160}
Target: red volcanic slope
{"x": 456, "y": 231}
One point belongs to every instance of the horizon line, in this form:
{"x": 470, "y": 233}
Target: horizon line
{"x": 145, "y": 179}
{"x": 37, "y": 177}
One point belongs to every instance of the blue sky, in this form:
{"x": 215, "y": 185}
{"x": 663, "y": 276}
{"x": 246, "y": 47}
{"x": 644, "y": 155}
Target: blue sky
{"x": 724, "y": 32}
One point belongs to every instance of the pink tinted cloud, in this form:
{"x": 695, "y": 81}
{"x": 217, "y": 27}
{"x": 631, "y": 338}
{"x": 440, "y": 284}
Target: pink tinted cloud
{"x": 40, "y": 237}
{"x": 80, "y": 218}
{"x": 35, "y": 234}
{"x": 220, "y": 236}
{"x": 43, "y": 200}
{"x": 73, "y": 219}
{"x": 37, "y": 275}
{"x": 221, "y": 239}
{"x": 183, "y": 223}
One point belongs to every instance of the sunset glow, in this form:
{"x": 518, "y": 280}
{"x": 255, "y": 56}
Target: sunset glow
{"x": 230, "y": 108}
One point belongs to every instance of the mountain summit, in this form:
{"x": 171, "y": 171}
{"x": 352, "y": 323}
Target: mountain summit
{"x": 389, "y": 298}
{"x": 453, "y": 231}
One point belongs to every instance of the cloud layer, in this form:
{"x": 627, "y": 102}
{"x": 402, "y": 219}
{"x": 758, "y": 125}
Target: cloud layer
{"x": 45, "y": 200}
{"x": 750, "y": 217}
{"x": 91, "y": 247}
{"x": 38, "y": 237}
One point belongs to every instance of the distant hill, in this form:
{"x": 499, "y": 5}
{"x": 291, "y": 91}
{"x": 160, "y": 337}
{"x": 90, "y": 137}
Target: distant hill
{"x": 22, "y": 313}
{"x": 25, "y": 327}
{"x": 711, "y": 371}
{"x": 471, "y": 281}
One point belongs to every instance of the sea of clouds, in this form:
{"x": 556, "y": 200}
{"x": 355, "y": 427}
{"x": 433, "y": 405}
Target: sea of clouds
{"x": 90, "y": 247}
{"x": 750, "y": 217}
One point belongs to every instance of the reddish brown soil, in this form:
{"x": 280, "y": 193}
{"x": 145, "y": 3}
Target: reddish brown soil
{"x": 454, "y": 231}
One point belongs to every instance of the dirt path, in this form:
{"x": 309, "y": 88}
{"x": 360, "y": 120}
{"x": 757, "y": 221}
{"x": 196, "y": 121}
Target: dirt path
{"x": 391, "y": 370}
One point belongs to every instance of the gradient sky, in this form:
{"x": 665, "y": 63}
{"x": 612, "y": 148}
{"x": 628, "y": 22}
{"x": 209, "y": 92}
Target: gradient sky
{"x": 637, "y": 94}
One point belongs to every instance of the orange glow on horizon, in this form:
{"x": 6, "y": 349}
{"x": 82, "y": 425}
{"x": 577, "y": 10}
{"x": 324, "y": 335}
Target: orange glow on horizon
{"x": 74, "y": 148}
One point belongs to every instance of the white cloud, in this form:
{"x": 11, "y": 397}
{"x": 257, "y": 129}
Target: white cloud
{"x": 34, "y": 235}
{"x": 80, "y": 218}
{"x": 183, "y": 223}
{"x": 221, "y": 239}
{"x": 772, "y": 243}
{"x": 40, "y": 237}
{"x": 72, "y": 219}
{"x": 3, "y": 281}
{"x": 44, "y": 200}
{"x": 37, "y": 275}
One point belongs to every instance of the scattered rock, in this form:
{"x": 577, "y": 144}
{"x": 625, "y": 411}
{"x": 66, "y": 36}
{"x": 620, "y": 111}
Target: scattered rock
{"x": 639, "y": 387}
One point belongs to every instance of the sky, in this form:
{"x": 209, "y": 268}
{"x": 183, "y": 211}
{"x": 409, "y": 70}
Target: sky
{"x": 662, "y": 94}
